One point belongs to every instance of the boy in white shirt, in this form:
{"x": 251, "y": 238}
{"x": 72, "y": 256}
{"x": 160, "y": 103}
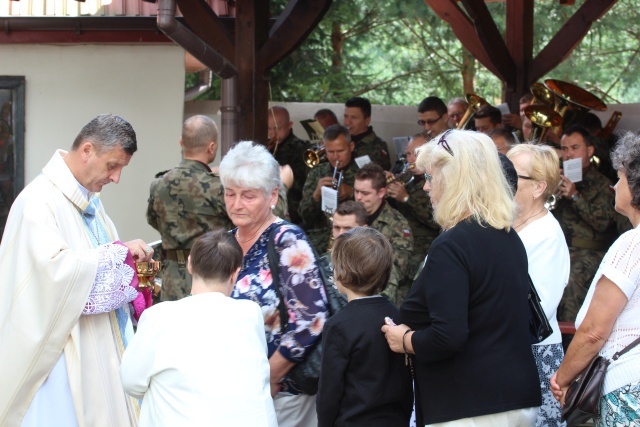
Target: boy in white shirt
{"x": 202, "y": 360}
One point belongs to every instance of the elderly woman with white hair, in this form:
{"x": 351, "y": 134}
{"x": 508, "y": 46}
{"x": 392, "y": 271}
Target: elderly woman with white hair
{"x": 466, "y": 318}
{"x": 548, "y": 254}
{"x": 251, "y": 178}
{"x": 609, "y": 319}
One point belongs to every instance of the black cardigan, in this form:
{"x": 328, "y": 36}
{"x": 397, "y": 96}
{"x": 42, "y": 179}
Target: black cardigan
{"x": 362, "y": 382}
{"x": 469, "y": 310}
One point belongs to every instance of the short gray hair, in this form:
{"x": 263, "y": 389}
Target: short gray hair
{"x": 625, "y": 157}
{"x": 106, "y": 132}
{"x": 250, "y": 165}
{"x": 198, "y": 131}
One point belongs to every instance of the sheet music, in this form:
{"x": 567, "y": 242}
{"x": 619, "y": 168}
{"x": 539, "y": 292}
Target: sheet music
{"x": 329, "y": 200}
{"x": 362, "y": 160}
{"x": 572, "y": 169}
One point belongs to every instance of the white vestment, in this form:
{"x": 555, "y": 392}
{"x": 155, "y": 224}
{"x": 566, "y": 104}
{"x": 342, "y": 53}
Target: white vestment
{"x": 48, "y": 266}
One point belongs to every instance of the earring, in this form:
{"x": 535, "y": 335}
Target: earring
{"x": 273, "y": 207}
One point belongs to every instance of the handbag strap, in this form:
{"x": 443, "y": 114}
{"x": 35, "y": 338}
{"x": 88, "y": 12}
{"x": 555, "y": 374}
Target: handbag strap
{"x": 274, "y": 266}
{"x": 626, "y": 349}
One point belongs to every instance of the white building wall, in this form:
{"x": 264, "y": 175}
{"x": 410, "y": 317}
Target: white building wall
{"x": 66, "y": 86}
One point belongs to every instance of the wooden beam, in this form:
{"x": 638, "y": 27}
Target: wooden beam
{"x": 252, "y": 32}
{"x": 292, "y": 27}
{"x": 464, "y": 30}
{"x": 519, "y": 40}
{"x": 569, "y": 36}
{"x": 491, "y": 39}
{"x": 204, "y": 23}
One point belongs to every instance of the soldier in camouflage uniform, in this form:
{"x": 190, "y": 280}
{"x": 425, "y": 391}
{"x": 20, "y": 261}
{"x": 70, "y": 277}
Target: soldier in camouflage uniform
{"x": 185, "y": 202}
{"x": 586, "y": 214}
{"x": 357, "y": 117}
{"x": 370, "y": 190}
{"x": 349, "y": 214}
{"x": 339, "y": 150}
{"x": 433, "y": 116}
{"x": 289, "y": 150}
{"x": 414, "y": 204}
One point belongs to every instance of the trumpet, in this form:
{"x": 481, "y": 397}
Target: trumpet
{"x": 405, "y": 177}
{"x": 336, "y": 179}
{"x": 475, "y": 102}
{"x": 312, "y": 158}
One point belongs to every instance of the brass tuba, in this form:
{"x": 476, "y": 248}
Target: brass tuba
{"x": 571, "y": 97}
{"x": 475, "y": 102}
{"x": 543, "y": 118}
{"x": 542, "y": 94}
{"x": 312, "y": 158}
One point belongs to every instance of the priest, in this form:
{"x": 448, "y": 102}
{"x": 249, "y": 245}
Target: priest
{"x": 68, "y": 293}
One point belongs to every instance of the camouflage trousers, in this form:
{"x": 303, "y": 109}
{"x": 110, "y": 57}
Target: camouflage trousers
{"x": 176, "y": 281}
{"x": 584, "y": 264}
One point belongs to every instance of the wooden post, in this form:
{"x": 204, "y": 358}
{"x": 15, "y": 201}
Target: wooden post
{"x": 252, "y": 32}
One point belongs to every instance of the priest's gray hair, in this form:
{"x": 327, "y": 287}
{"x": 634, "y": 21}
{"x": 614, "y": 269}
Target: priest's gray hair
{"x": 106, "y": 132}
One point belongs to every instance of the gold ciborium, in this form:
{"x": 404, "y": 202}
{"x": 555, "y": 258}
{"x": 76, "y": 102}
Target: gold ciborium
{"x": 146, "y": 272}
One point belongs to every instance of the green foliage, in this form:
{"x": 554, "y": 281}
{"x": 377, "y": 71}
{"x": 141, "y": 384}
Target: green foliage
{"x": 401, "y": 52}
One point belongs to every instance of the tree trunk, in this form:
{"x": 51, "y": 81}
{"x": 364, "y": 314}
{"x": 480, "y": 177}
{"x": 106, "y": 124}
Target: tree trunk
{"x": 468, "y": 71}
{"x": 337, "y": 40}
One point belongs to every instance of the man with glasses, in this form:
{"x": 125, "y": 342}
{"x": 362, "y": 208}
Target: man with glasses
{"x": 357, "y": 118}
{"x": 456, "y": 109}
{"x": 432, "y": 116}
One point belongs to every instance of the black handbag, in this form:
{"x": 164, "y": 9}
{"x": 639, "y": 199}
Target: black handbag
{"x": 582, "y": 400}
{"x": 306, "y": 374}
{"x": 539, "y": 327}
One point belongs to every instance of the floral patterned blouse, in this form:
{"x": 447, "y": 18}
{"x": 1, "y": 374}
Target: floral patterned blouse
{"x": 300, "y": 283}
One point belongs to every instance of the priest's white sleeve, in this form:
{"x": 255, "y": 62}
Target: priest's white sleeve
{"x": 111, "y": 288}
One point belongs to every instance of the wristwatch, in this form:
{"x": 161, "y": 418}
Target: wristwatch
{"x": 575, "y": 197}
{"x": 406, "y": 199}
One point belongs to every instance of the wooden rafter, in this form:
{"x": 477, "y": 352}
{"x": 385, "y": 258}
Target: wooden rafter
{"x": 491, "y": 39}
{"x": 463, "y": 28}
{"x": 569, "y": 36}
{"x": 511, "y": 60}
{"x": 294, "y": 24}
{"x": 208, "y": 26}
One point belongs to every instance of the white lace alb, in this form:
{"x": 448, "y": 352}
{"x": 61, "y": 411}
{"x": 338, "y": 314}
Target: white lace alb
{"x": 112, "y": 286}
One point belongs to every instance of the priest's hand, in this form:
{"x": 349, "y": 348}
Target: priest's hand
{"x": 140, "y": 250}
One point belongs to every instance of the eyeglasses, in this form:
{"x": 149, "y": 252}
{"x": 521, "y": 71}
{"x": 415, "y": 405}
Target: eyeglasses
{"x": 525, "y": 177}
{"x": 444, "y": 143}
{"x": 428, "y": 177}
{"x": 430, "y": 122}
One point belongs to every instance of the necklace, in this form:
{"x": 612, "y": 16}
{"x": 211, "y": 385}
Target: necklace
{"x": 95, "y": 235}
{"x": 525, "y": 221}
{"x": 254, "y": 234}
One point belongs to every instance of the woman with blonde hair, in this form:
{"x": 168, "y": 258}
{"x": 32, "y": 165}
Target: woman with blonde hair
{"x": 548, "y": 254}
{"x": 466, "y": 317}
